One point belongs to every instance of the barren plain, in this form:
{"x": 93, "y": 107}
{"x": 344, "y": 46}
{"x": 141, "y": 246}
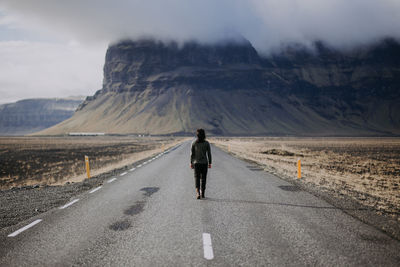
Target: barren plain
{"x": 27, "y": 161}
{"x": 365, "y": 169}
{"x": 41, "y": 173}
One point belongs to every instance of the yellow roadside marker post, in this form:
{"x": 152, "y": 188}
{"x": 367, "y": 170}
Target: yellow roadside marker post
{"x": 298, "y": 169}
{"x": 87, "y": 166}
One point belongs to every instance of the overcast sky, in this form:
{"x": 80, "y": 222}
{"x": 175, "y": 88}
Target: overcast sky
{"x": 56, "y": 48}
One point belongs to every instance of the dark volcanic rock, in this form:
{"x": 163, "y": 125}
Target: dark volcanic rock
{"x": 228, "y": 88}
{"x": 129, "y": 64}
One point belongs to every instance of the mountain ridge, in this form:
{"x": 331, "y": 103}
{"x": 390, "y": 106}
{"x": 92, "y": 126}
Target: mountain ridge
{"x": 31, "y": 115}
{"x": 229, "y": 89}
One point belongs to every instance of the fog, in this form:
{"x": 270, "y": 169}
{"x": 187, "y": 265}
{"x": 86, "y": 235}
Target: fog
{"x": 268, "y": 24}
{"x": 56, "y": 48}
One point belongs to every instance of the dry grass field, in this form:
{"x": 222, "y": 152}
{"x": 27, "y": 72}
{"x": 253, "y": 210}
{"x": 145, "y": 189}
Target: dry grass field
{"x": 57, "y": 160}
{"x": 367, "y": 169}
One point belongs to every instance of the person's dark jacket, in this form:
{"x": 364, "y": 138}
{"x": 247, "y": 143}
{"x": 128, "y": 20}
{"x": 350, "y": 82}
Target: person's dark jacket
{"x": 201, "y": 153}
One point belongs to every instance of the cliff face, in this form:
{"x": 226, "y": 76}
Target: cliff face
{"x": 32, "y": 115}
{"x": 151, "y": 87}
{"x": 130, "y": 65}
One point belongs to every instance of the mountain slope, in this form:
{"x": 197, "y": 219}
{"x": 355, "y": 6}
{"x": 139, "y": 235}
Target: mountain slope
{"x": 157, "y": 88}
{"x": 32, "y": 115}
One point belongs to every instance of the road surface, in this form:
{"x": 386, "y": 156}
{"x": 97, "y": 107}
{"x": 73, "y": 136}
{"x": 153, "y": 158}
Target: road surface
{"x": 149, "y": 216}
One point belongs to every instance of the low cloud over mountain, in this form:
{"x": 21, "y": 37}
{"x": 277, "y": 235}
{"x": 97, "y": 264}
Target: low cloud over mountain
{"x": 266, "y": 23}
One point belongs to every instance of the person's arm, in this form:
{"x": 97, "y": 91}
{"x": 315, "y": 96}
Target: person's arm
{"x": 209, "y": 155}
{"x": 192, "y": 154}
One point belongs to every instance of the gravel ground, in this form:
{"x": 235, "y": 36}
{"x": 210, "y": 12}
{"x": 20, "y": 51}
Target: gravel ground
{"x": 365, "y": 169}
{"x": 21, "y": 203}
{"x": 27, "y": 161}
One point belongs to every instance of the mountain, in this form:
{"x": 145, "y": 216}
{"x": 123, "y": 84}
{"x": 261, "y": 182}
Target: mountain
{"x": 32, "y": 115}
{"x": 230, "y": 89}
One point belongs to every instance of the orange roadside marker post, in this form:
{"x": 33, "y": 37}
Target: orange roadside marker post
{"x": 87, "y": 166}
{"x": 298, "y": 169}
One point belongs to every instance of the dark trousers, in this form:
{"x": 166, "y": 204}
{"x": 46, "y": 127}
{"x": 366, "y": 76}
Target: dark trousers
{"x": 200, "y": 176}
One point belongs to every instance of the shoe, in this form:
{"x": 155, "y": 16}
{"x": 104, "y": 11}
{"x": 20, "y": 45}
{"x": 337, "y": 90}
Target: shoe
{"x": 197, "y": 194}
{"x": 202, "y": 194}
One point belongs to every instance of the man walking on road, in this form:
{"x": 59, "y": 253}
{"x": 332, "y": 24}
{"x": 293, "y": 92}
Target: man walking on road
{"x": 200, "y": 157}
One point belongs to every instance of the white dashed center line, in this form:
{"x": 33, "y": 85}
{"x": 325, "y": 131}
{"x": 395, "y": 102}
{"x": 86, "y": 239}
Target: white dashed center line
{"x": 122, "y": 174}
{"x": 69, "y": 204}
{"x": 111, "y": 180}
{"x": 208, "y": 250}
{"x": 94, "y": 190}
{"x": 25, "y": 228}
{"x": 131, "y": 170}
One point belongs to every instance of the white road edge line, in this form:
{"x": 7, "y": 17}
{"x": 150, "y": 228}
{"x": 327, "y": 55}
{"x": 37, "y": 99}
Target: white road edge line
{"x": 207, "y": 246}
{"x": 69, "y": 204}
{"x": 25, "y": 228}
{"x": 111, "y": 180}
{"x": 139, "y": 165}
{"x": 122, "y": 174}
{"x": 94, "y": 190}
{"x": 131, "y": 170}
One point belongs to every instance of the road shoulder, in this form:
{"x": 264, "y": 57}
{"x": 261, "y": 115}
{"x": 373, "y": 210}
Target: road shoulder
{"x": 383, "y": 222}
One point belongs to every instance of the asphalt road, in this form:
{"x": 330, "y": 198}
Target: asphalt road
{"x": 150, "y": 217}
